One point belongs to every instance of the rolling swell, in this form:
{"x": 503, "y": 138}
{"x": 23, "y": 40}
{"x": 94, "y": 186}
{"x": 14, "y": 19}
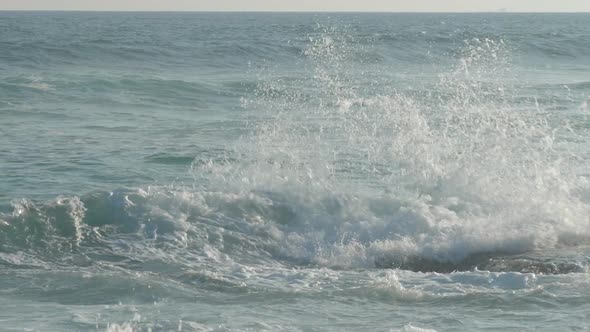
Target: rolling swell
{"x": 189, "y": 41}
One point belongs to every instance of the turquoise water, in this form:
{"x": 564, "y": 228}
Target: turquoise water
{"x": 294, "y": 172}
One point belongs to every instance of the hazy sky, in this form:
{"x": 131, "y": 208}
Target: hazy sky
{"x": 302, "y": 5}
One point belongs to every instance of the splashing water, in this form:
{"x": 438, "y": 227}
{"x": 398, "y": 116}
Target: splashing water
{"x": 401, "y": 178}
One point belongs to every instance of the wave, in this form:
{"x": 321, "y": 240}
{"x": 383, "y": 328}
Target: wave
{"x": 351, "y": 176}
{"x": 440, "y": 181}
{"x": 113, "y": 89}
{"x": 342, "y": 232}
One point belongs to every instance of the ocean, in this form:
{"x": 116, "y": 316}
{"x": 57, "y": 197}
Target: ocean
{"x": 294, "y": 172}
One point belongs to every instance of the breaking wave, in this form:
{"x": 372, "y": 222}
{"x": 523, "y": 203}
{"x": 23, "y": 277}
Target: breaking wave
{"x": 453, "y": 175}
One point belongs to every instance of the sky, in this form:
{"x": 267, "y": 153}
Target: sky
{"x": 304, "y": 5}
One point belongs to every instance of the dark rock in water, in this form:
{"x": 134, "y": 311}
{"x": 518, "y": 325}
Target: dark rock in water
{"x": 531, "y": 265}
{"x": 553, "y": 262}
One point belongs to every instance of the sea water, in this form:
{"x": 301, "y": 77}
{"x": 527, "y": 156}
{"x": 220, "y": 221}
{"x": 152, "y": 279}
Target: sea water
{"x": 294, "y": 172}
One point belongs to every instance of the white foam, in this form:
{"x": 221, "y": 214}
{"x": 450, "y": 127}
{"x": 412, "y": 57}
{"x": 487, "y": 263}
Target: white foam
{"x": 412, "y": 328}
{"x": 354, "y": 177}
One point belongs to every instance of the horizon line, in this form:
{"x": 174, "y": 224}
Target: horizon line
{"x": 291, "y": 11}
